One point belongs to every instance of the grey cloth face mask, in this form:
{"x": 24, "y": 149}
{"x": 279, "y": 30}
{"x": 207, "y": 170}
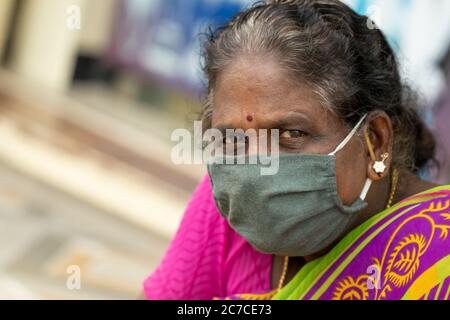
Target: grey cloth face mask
{"x": 296, "y": 212}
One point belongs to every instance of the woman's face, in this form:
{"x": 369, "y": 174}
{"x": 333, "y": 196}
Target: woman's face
{"x": 255, "y": 92}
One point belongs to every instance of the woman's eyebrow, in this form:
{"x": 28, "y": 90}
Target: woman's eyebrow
{"x": 287, "y": 119}
{"x": 290, "y": 119}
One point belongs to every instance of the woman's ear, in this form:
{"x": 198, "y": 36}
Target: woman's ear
{"x": 381, "y": 139}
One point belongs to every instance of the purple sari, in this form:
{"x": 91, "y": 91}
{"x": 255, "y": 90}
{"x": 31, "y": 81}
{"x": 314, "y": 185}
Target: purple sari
{"x": 400, "y": 253}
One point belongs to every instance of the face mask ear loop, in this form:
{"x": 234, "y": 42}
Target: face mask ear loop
{"x": 349, "y": 136}
{"x": 365, "y": 189}
{"x": 368, "y": 182}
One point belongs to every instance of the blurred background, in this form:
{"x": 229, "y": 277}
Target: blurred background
{"x": 90, "y": 92}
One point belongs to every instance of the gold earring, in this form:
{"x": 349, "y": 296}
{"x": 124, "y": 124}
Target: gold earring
{"x": 379, "y": 166}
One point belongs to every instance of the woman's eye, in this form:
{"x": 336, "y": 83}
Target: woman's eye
{"x": 289, "y": 134}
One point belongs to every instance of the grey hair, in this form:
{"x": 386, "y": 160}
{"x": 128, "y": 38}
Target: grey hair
{"x": 327, "y": 46}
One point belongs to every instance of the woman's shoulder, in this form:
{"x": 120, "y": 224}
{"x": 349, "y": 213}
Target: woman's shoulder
{"x": 434, "y": 194}
{"x": 402, "y": 243}
{"x": 190, "y": 267}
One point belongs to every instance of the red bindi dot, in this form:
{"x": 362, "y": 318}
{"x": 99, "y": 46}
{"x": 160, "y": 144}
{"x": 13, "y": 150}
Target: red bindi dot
{"x": 249, "y": 118}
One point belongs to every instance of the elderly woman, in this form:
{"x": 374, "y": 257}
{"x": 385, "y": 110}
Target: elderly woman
{"x": 346, "y": 216}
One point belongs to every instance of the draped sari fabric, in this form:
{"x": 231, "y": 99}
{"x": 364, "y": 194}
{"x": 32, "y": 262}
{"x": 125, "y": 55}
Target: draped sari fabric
{"x": 206, "y": 258}
{"x": 400, "y": 253}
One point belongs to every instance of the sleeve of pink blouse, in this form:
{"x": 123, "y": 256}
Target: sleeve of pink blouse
{"x": 192, "y": 265}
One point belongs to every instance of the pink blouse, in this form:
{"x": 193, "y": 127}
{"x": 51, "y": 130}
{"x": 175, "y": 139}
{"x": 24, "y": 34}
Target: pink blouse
{"x": 208, "y": 259}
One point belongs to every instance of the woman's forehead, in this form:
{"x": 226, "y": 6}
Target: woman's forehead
{"x": 263, "y": 90}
